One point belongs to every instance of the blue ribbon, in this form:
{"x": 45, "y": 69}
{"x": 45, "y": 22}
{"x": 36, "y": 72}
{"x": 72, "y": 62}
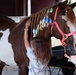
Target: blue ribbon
{"x": 47, "y": 20}
{"x": 35, "y": 31}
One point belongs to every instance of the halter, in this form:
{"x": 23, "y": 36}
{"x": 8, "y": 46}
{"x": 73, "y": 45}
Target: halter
{"x": 64, "y": 36}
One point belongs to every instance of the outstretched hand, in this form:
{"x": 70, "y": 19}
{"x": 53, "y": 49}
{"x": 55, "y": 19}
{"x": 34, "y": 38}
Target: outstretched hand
{"x": 28, "y": 23}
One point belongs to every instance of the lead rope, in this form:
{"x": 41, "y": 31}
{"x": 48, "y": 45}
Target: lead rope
{"x": 67, "y": 56}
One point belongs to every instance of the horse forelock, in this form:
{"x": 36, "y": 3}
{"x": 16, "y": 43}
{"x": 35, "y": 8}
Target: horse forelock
{"x": 70, "y": 15}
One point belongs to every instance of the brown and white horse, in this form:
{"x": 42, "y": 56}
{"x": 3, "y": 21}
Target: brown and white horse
{"x": 46, "y": 23}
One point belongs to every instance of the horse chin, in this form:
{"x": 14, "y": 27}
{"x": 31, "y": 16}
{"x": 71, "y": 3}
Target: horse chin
{"x": 72, "y": 49}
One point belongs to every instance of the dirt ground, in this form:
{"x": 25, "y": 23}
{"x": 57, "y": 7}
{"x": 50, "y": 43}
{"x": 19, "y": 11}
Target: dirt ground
{"x": 14, "y": 71}
{"x": 10, "y": 70}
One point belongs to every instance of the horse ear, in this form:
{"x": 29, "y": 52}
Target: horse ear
{"x": 73, "y": 5}
{"x": 63, "y": 4}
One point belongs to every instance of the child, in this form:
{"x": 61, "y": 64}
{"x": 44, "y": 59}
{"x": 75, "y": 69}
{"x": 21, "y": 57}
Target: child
{"x": 38, "y": 52}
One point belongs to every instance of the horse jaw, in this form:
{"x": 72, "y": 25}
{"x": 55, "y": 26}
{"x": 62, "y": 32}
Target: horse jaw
{"x": 72, "y": 28}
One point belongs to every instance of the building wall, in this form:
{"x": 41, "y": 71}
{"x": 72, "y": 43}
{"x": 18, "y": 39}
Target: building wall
{"x": 19, "y": 8}
{"x": 36, "y": 5}
{"x": 11, "y": 7}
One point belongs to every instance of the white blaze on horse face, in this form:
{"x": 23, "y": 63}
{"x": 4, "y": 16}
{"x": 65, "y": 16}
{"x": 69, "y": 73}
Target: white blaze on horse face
{"x": 72, "y": 28}
{"x": 6, "y": 51}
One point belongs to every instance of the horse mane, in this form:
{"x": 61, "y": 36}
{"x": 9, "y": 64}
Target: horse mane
{"x": 36, "y": 17}
{"x": 70, "y": 15}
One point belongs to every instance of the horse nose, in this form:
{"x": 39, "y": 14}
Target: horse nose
{"x": 71, "y": 45}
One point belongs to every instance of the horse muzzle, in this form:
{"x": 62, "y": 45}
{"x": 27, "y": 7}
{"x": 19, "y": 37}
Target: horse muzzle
{"x": 72, "y": 48}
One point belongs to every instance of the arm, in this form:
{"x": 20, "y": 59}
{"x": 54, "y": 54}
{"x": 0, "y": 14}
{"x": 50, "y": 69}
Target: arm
{"x": 29, "y": 53}
{"x": 26, "y": 42}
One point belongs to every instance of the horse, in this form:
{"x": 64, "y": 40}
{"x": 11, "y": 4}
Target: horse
{"x": 42, "y": 25}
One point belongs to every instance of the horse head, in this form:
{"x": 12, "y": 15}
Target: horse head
{"x": 49, "y": 22}
{"x": 70, "y": 19}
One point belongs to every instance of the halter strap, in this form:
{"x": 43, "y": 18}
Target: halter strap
{"x": 64, "y": 36}
{"x": 56, "y": 13}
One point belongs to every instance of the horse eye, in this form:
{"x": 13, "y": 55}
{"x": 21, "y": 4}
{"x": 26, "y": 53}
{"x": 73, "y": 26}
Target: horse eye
{"x": 67, "y": 9}
{"x": 64, "y": 20}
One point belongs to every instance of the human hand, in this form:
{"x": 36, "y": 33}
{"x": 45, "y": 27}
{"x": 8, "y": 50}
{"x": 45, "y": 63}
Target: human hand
{"x": 28, "y": 23}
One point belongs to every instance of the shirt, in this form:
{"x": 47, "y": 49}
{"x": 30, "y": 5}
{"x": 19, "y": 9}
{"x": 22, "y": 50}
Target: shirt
{"x": 36, "y": 67}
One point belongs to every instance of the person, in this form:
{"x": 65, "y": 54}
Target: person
{"x": 38, "y": 52}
